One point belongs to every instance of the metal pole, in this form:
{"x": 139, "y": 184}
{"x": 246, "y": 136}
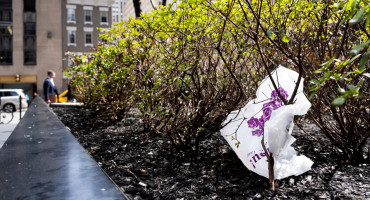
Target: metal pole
{"x": 20, "y": 107}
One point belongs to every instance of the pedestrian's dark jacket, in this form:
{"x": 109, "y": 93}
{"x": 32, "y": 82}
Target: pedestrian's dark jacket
{"x": 49, "y": 89}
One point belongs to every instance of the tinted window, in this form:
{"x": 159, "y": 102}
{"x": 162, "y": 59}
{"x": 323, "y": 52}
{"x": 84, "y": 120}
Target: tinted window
{"x": 10, "y": 93}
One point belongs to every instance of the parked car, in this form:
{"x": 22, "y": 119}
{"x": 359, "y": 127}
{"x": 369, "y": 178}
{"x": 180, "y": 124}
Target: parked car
{"x": 9, "y": 99}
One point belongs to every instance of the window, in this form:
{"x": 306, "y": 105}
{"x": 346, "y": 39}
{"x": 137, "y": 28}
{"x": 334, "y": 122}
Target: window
{"x": 88, "y": 16}
{"x": 71, "y": 13}
{"x": 71, "y": 34}
{"x": 88, "y": 36}
{"x": 6, "y": 33}
{"x": 29, "y": 43}
{"x": 72, "y": 38}
{"x": 103, "y": 15}
{"x": 10, "y": 93}
{"x": 29, "y": 57}
{"x": 5, "y": 15}
{"x": 6, "y": 45}
{"x": 88, "y": 39}
{"x": 29, "y": 32}
{"x": 29, "y": 28}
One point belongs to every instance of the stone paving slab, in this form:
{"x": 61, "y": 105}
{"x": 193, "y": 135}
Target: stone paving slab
{"x": 42, "y": 160}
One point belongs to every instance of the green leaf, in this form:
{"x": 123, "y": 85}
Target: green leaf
{"x": 350, "y": 5}
{"x": 312, "y": 95}
{"x": 358, "y": 17}
{"x": 367, "y": 20}
{"x": 271, "y": 34}
{"x": 341, "y": 90}
{"x": 364, "y": 60}
{"x": 328, "y": 63}
{"x": 351, "y": 87}
{"x": 356, "y": 50}
{"x": 338, "y": 101}
{"x": 352, "y": 59}
{"x": 314, "y": 81}
{"x": 360, "y": 95}
{"x": 284, "y": 38}
{"x": 360, "y": 83}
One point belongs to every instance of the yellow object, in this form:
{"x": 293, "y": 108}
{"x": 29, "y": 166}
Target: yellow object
{"x": 63, "y": 97}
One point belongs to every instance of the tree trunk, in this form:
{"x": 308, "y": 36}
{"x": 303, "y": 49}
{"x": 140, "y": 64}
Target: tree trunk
{"x": 137, "y": 4}
{"x": 164, "y": 2}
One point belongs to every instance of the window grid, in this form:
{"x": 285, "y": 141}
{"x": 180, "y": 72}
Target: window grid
{"x": 71, "y": 38}
{"x": 88, "y": 38}
{"x": 71, "y": 15}
{"x": 104, "y": 17}
{"x": 88, "y": 17}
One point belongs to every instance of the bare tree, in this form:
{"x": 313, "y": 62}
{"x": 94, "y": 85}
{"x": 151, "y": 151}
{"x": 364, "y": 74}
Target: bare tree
{"x": 163, "y": 3}
{"x": 137, "y": 4}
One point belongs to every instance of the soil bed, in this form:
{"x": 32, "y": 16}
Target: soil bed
{"x": 142, "y": 165}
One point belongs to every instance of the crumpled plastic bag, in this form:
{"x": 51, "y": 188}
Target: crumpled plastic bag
{"x": 267, "y": 115}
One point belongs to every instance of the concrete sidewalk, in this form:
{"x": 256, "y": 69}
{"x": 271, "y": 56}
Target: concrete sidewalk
{"x": 7, "y": 129}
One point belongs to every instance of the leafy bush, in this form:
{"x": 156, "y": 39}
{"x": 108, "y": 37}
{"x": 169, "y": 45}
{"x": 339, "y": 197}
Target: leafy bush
{"x": 327, "y": 43}
{"x": 185, "y": 70}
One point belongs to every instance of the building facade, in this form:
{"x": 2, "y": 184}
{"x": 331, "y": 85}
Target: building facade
{"x": 81, "y": 21}
{"x": 118, "y": 11}
{"x": 122, "y": 10}
{"x": 36, "y": 34}
{"x": 30, "y": 43}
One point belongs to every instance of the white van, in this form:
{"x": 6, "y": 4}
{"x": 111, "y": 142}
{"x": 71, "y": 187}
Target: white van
{"x": 9, "y": 99}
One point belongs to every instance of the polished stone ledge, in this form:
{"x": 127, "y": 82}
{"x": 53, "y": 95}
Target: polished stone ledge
{"x": 42, "y": 160}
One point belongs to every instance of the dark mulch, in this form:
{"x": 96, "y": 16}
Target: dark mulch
{"x": 142, "y": 165}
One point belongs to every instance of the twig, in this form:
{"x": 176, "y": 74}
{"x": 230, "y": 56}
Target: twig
{"x": 124, "y": 168}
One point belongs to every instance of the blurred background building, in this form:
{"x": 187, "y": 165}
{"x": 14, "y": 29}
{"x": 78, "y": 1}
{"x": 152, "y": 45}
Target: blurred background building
{"x": 30, "y": 43}
{"x": 80, "y": 27}
{"x": 36, "y": 34}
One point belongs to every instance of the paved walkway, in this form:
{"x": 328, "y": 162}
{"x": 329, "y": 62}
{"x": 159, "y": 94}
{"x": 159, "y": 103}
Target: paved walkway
{"x": 7, "y": 129}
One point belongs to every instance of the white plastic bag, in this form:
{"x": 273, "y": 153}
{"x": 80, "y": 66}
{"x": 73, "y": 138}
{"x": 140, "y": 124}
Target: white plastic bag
{"x": 267, "y": 115}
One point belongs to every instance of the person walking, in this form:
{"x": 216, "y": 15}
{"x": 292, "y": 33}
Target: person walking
{"x": 50, "y": 91}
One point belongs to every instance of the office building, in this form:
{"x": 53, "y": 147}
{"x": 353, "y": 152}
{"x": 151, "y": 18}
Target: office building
{"x": 36, "y": 34}
{"x": 30, "y": 43}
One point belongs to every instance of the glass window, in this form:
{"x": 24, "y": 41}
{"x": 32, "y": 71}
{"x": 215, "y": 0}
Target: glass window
{"x": 30, "y": 57}
{"x": 71, "y": 15}
{"x": 104, "y": 16}
{"x": 29, "y": 17}
{"x": 88, "y": 16}
{"x": 10, "y": 93}
{"x": 88, "y": 38}
{"x": 29, "y": 43}
{"x": 6, "y": 32}
{"x": 5, "y": 15}
{"x": 6, "y": 57}
{"x": 29, "y": 28}
{"x": 71, "y": 37}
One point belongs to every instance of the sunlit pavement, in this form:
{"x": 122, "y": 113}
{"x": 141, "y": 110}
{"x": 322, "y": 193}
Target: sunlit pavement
{"x": 7, "y": 129}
